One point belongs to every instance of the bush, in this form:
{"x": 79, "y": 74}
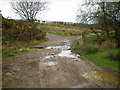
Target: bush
{"x": 113, "y": 54}
{"x": 90, "y": 49}
{"x": 7, "y": 24}
{"x": 83, "y": 50}
{"x": 108, "y": 44}
{"x": 20, "y": 30}
{"x": 39, "y": 36}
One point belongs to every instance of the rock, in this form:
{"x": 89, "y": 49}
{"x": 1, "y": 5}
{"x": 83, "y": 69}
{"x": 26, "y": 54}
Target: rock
{"x": 9, "y": 73}
{"x": 53, "y": 54}
{"x": 69, "y": 45}
{"x": 39, "y": 47}
{"x": 18, "y": 69}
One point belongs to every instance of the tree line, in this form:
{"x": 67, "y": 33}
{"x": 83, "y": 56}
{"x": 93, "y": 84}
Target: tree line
{"x": 105, "y": 14}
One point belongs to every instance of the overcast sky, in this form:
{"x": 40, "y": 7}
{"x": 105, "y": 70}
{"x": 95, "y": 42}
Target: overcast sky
{"x": 58, "y": 10}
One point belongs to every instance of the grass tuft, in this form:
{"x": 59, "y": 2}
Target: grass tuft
{"x": 100, "y": 59}
{"x": 104, "y": 55}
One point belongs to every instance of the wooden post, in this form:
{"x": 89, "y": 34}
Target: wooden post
{"x": 84, "y": 38}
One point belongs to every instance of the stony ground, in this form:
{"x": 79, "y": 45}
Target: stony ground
{"x": 54, "y": 66}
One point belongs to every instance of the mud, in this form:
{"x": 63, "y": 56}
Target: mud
{"x": 55, "y": 66}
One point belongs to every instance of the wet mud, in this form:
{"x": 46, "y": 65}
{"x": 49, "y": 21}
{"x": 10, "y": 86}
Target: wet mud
{"x": 55, "y": 66}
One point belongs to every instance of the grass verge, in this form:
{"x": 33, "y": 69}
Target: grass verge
{"x": 103, "y": 55}
{"x": 19, "y": 47}
{"x": 63, "y": 30}
{"x": 101, "y": 59}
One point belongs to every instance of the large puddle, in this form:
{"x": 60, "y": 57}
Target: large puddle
{"x": 58, "y": 47}
{"x": 68, "y": 53}
{"x": 65, "y": 52}
{"x": 101, "y": 76}
{"x": 48, "y": 57}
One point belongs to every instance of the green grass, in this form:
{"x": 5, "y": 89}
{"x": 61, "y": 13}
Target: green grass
{"x": 91, "y": 40}
{"x": 102, "y": 56}
{"x": 101, "y": 59}
{"x": 83, "y": 48}
{"x": 16, "y": 51}
{"x": 19, "y": 47}
{"x": 63, "y": 30}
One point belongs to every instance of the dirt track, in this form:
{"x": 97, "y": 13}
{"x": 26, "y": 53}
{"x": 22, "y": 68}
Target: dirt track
{"x": 55, "y": 67}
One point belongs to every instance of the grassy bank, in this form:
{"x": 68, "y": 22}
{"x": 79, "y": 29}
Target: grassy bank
{"x": 19, "y": 47}
{"x": 104, "y": 55}
{"x": 102, "y": 59}
{"x": 63, "y": 30}
{"x": 18, "y": 35}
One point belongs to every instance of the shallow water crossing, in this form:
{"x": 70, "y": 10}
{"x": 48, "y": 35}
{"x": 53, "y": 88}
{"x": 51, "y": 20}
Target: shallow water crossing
{"x": 65, "y": 52}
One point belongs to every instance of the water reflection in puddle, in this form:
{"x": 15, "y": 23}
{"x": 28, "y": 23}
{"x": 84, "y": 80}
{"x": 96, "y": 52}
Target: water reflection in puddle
{"x": 51, "y": 63}
{"x": 65, "y": 52}
{"x": 47, "y": 57}
{"x": 58, "y": 47}
{"x": 101, "y": 76}
{"x": 65, "y": 40}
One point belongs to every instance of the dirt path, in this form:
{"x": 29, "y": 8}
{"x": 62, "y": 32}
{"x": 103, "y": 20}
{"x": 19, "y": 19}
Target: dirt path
{"x": 54, "y": 67}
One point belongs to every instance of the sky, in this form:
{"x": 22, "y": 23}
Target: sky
{"x": 58, "y": 10}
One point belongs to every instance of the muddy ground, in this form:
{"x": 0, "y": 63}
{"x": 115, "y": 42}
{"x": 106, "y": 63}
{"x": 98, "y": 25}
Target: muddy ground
{"x": 55, "y": 66}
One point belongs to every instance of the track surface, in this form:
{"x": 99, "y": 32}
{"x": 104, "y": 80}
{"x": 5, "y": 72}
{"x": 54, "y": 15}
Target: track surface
{"x": 54, "y": 67}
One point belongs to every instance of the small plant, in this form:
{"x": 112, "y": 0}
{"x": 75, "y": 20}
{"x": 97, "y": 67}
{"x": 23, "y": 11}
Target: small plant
{"x": 20, "y": 30}
{"x": 113, "y": 54}
{"x": 83, "y": 50}
{"x": 90, "y": 49}
{"x": 109, "y": 44}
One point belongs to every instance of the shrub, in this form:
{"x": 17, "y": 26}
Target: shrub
{"x": 90, "y": 49}
{"x": 113, "y": 54}
{"x": 39, "y": 36}
{"x": 7, "y": 24}
{"x": 20, "y": 30}
{"x": 108, "y": 44}
{"x": 83, "y": 50}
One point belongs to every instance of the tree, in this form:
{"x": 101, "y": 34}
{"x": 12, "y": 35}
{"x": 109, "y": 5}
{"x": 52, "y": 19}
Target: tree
{"x": 105, "y": 14}
{"x": 86, "y": 15}
{"x": 28, "y": 9}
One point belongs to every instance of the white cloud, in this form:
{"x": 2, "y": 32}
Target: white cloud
{"x": 61, "y": 11}
{"x": 58, "y": 10}
{"x": 6, "y": 9}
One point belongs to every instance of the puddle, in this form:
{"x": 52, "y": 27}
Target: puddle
{"x": 63, "y": 53}
{"x": 82, "y": 85}
{"x": 67, "y": 53}
{"x": 48, "y": 57}
{"x": 9, "y": 73}
{"x": 33, "y": 63}
{"x": 101, "y": 76}
{"x": 65, "y": 40}
{"x": 51, "y": 63}
{"x": 58, "y": 47}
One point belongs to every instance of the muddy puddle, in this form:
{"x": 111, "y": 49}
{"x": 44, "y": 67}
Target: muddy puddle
{"x": 65, "y": 52}
{"x": 48, "y": 57}
{"x": 58, "y": 47}
{"x": 51, "y": 63}
{"x": 68, "y": 53}
{"x": 101, "y": 76}
{"x": 33, "y": 63}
